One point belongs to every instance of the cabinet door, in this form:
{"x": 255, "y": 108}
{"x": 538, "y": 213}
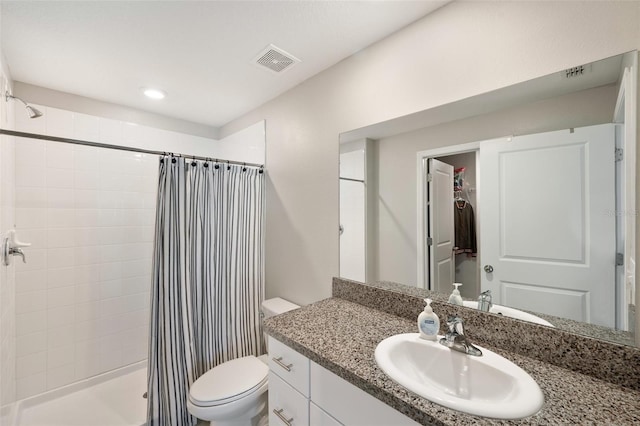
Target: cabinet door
{"x": 290, "y": 365}
{"x": 318, "y": 417}
{"x": 350, "y": 405}
{"x": 287, "y": 406}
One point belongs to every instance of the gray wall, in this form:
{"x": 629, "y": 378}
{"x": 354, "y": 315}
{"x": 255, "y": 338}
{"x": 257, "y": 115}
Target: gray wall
{"x": 461, "y": 50}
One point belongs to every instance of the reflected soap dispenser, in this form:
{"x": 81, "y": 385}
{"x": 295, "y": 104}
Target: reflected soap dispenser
{"x": 428, "y": 323}
{"x": 455, "y": 298}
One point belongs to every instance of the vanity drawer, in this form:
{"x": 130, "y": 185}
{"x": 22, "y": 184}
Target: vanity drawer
{"x": 318, "y": 417}
{"x": 287, "y": 406}
{"x": 290, "y": 365}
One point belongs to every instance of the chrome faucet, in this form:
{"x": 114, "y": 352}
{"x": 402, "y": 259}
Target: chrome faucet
{"x": 484, "y": 301}
{"x": 456, "y": 340}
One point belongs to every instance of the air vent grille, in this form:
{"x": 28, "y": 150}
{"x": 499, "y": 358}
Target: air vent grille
{"x": 275, "y": 59}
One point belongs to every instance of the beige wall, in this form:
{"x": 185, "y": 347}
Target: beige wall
{"x": 462, "y": 49}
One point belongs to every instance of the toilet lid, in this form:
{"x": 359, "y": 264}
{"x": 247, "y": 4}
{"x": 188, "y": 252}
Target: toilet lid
{"x": 229, "y": 381}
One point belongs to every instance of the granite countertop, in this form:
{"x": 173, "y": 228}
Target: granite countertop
{"x": 342, "y": 336}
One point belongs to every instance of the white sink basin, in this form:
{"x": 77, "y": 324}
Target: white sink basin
{"x": 510, "y": 312}
{"x": 487, "y": 385}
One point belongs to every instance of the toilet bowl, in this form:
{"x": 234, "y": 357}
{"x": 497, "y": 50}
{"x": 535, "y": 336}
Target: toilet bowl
{"x": 234, "y": 393}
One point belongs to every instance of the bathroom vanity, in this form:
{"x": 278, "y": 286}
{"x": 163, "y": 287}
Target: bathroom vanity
{"x": 334, "y": 379}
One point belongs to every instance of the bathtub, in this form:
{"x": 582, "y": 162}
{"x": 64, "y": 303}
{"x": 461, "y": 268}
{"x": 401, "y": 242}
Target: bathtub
{"x": 114, "y": 398}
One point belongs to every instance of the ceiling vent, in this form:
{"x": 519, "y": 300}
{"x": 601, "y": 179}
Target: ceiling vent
{"x": 275, "y": 59}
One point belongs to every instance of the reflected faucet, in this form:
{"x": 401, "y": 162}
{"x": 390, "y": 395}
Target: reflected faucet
{"x": 484, "y": 301}
{"x": 456, "y": 340}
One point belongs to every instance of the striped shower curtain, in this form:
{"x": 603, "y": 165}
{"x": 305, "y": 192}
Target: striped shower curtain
{"x": 208, "y": 277}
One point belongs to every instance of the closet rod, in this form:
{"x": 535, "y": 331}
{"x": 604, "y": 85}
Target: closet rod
{"x": 120, "y": 147}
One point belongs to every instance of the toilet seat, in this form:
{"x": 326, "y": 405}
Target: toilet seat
{"x": 229, "y": 381}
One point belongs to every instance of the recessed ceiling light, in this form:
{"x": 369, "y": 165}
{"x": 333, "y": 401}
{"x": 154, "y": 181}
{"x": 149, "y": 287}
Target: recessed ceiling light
{"x": 154, "y": 93}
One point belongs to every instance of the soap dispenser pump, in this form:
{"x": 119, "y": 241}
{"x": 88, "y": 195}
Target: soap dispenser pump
{"x": 428, "y": 323}
{"x": 455, "y": 297}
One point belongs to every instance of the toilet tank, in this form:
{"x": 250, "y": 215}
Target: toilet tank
{"x": 276, "y": 306}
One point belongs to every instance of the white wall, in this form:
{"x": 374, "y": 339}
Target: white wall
{"x": 461, "y": 50}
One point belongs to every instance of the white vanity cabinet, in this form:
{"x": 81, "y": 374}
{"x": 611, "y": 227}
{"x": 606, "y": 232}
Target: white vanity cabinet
{"x": 302, "y": 392}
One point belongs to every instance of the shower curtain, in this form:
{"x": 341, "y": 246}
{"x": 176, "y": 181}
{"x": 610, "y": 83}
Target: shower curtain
{"x": 208, "y": 278}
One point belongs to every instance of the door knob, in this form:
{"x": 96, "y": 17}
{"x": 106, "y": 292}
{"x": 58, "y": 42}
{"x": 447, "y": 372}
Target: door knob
{"x": 488, "y": 269}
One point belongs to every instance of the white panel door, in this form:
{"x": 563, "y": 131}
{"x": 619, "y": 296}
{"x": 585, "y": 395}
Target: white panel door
{"x": 441, "y": 230}
{"x": 548, "y": 223}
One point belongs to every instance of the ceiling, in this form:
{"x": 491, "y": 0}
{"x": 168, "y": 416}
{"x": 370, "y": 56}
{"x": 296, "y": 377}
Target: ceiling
{"x": 199, "y": 52}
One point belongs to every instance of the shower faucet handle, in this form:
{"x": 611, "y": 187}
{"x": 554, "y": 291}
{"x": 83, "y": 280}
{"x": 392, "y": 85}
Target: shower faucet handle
{"x": 12, "y": 247}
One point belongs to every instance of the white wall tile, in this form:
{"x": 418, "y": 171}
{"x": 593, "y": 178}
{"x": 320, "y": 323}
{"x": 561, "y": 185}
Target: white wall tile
{"x": 110, "y": 131}
{"x": 59, "y": 155}
{"x": 88, "y": 330}
{"x": 31, "y": 364}
{"x": 60, "y": 198}
{"x": 87, "y": 255}
{"x": 30, "y": 176}
{"x": 110, "y": 289}
{"x": 60, "y": 178}
{"x": 85, "y": 157}
{"x": 31, "y": 322}
{"x": 31, "y": 385}
{"x": 58, "y": 357}
{"x": 87, "y": 218}
{"x": 59, "y": 122}
{"x": 61, "y": 237}
{"x": 60, "y": 257}
{"x": 31, "y": 280}
{"x": 87, "y": 199}
{"x": 87, "y": 179}
{"x": 111, "y": 271}
{"x": 31, "y": 343}
{"x": 60, "y": 376}
{"x": 60, "y": 218}
{"x": 60, "y": 296}
{"x": 59, "y": 317}
{"x": 30, "y": 218}
{"x": 30, "y": 153}
{"x": 31, "y": 301}
{"x": 113, "y": 235}
{"x": 87, "y": 292}
{"x": 60, "y": 277}
{"x": 31, "y": 197}
{"x": 88, "y": 311}
{"x": 86, "y": 127}
{"x": 85, "y": 274}
{"x": 58, "y": 337}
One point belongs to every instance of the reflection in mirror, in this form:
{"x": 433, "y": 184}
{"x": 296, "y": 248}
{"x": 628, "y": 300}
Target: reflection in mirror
{"x": 552, "y": 202}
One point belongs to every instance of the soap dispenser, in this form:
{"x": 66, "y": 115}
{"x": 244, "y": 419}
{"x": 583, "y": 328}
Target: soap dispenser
{"x": 455, "y": 297}
{"x": 428, "y": 322}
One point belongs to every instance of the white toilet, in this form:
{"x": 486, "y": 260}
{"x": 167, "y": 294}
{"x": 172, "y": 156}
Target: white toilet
{"x": 235, "y": 392}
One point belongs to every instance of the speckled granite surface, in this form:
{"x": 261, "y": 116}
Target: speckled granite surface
{"x": 341, "y": 336}
{"x": 618, "y": 364}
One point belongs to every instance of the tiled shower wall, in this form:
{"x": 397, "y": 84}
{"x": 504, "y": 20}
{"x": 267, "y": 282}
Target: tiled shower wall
{"x": 82, "y": 298}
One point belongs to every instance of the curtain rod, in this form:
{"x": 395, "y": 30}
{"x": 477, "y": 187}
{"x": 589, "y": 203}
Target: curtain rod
{"x": 120, "y": 147}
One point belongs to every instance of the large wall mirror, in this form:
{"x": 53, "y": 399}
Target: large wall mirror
{"x": 528, "y": 191}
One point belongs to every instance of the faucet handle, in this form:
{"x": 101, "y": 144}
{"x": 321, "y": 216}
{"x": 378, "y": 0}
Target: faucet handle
{"x": 455, "y": 325}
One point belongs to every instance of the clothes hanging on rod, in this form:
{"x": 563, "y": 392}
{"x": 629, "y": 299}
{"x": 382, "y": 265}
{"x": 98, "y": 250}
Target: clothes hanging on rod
{"x": 465, "y": 229}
